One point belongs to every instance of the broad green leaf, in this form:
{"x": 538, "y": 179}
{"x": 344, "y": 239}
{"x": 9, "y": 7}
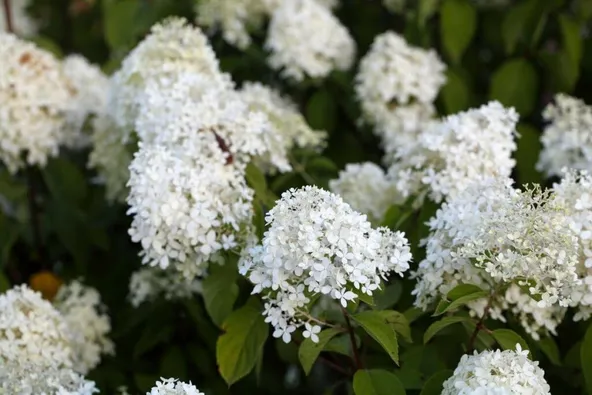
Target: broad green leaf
{"x": 455, "y": 94}
{"x": 572, "y": 38}
{"x": 389, "y": 296}
{"x": 521, "y": 24}
{"x": 173, "y": 363}
{"x": 119, "y": 32}
{"x": 561, "y": 72}
{"x": 377, "y": 326}
{"x": 341, "y": 344}
{"x": 583, "y": 9}
{"x": 461, "y": 301}
{"x": 321, "y": 164}
{"x": 586, "y": 358}
{"x": 399, "y": 323}
{"x": 483, "y": 341}
{"x": 439, "y": 325}
{"x": 9, "y": 233}
{"x": 413, "y": 313}
{"x": 434, "y": 385}
{"x": 239, "y": 348}
{"x": 152, "y": 336}
{"x": 65, "y": 180}
{"x": 426, "y": 8}
{"x": 527, "y": 155}
{"x": 49, "y": 45}
{"x": 508, "y": 339}
{"x": 458, "y": 22}
{"x": 377, "y": 382}
{"x": 4, "y": 283}
{"x": 309, "y": 351}
{"x": 220, "y": 292}
{"x": 321, "y": 111}
{"x": 258, "y": 219}
{"x": 515, "y": 84}
{"x": 256, "y": 180}
{"x": 462, "y": 290}
{"x": 549, "y": 347}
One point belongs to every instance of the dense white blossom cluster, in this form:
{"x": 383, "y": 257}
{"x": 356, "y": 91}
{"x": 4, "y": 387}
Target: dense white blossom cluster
{"x": 36, "y": 350}
{"x": 317, "y": 244}
{"x": 366, "y": 188}
{"x": 497, "y": 372}
{"x": 88, "y": 324}
{"x": 396, "y": 85}
{"x": 459, "y": 150}
{"x": 90, "y": 89}
{"x": 575, "y": 192}
{"x": 35, "y": 96}
{"x": 149, "y": 283}
{"x": 306, "y": 40}
{"x": 492, "y": 234}
{"x": 173, "y": 387}
{"x": 22, "y": 23}
{"x": 567, "y": 139}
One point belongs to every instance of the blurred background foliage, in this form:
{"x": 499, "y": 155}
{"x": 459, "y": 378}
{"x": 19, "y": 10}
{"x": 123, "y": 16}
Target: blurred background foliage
{"x": 520, "y": 53}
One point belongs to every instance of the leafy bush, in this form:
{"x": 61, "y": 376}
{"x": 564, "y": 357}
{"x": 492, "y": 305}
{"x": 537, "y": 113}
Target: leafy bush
{"x": 172, "y": 181}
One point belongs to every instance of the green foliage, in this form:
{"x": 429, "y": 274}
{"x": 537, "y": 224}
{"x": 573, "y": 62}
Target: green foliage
{"x": 377, "y": 325}
{"x": 309, "y": 351}
{"x": 377, "y": 382}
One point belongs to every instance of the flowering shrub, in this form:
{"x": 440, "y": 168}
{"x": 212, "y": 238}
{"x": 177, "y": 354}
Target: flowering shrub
{"x": 359, "y": 197}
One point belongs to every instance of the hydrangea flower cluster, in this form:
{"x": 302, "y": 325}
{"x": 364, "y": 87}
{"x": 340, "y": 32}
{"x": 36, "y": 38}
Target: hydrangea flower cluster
{"x": 91, "y": 87}
{"x": 88, "y": 324}
{"x": 396, "y": 85}
{"x": 306, "y": 40}
{"x": 173, "y": 387}
{"x": 317, "y": 244}
{"x": 493, "y": 234}
{"x": 36, "y": 353}
{"x": 497, "y": 372}
{"x": 22, "y": 23}
{"x": 366, "y": 188}
{"x": 575, "y": 192}
{"x": 567, "y": 139}
{"x": 149, "y": 283}
{"x": 35, "y": 96}
{"x": 461, "y": 149}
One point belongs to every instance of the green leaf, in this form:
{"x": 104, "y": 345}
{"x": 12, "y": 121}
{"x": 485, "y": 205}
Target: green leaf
{"x": 173, "y": 363}
{"x": 238, "y": 349}
{"x": 399, "y": 323}
{"x": 507, "y": 339}
{"x": 434, "y": 385}
{"x": 515, "y": 84}
{"x": 377, "y": 382}
{"x": 389, "y": 296}
{"x": 152, "y": 336}
{"x": 377, "y": 326}
{"x": 439, "y": 325}
{"x": 463, "y": 300}
{"x": 9, "y": 233}
{"x": 561, "y": 72}
{"x": 586, "y": 358}
{"x": 309, "y": 351}
{"x": 119, "y": 32}
{"x": 65, "y": 181}
{"x": 49, "y": 45}
{"x": 549, "y": 348}
{"x": 458, "y": 22}
{"x": 462, "y": 290}
{"x": 220, "y": 292}
{"x": 520, "y": 24}
{"x": 572, "y": 38}
{"x": 426, "y": 8}
{"x": 455, "y": 94}
{"x": 4, "y": 283}
{"x": 256, "y": 180}
{"x": 527, "y": 155}
{"x": 321, "y": 111}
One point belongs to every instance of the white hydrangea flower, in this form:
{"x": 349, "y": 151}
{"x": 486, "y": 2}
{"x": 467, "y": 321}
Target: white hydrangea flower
{"x": 316, "y": 244}
{"x": 24, "y": 378}
{"x": 173, "y": 387}
{"x": 188, "y": 203}
{"x": 575, "y": 192}
{"x": 34, "y": 96}
{"x": 492, "y": 234}
{"x": 306, "y": 40}
{"x": 110, "y": 156}
{"x": 285, "y": 119}
{"x": 461, "y": 149}
{"x": 172, "y": 47}
{"x": 497, "y": 372}
{"x": 149, "y": 283}
{"x": 32, "y": 330}
{"x": 365, "y": 187}
{"x": 22, "y": 23}
{"x": 394, "y": 73}
{"x": 87, "y": 322}
{"x": 91, "y": 88}
{"x": 567, "y": 139}
{"x": 192, "y": 104}
{"x": 235, "y": 18}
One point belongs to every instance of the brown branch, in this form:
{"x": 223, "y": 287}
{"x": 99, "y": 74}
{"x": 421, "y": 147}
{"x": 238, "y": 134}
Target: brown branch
{"x": 224, "y": 148}
{"x": 480, "y": 325}
{"x": 8, "y": 15}
{"x": 352, "y": 339}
